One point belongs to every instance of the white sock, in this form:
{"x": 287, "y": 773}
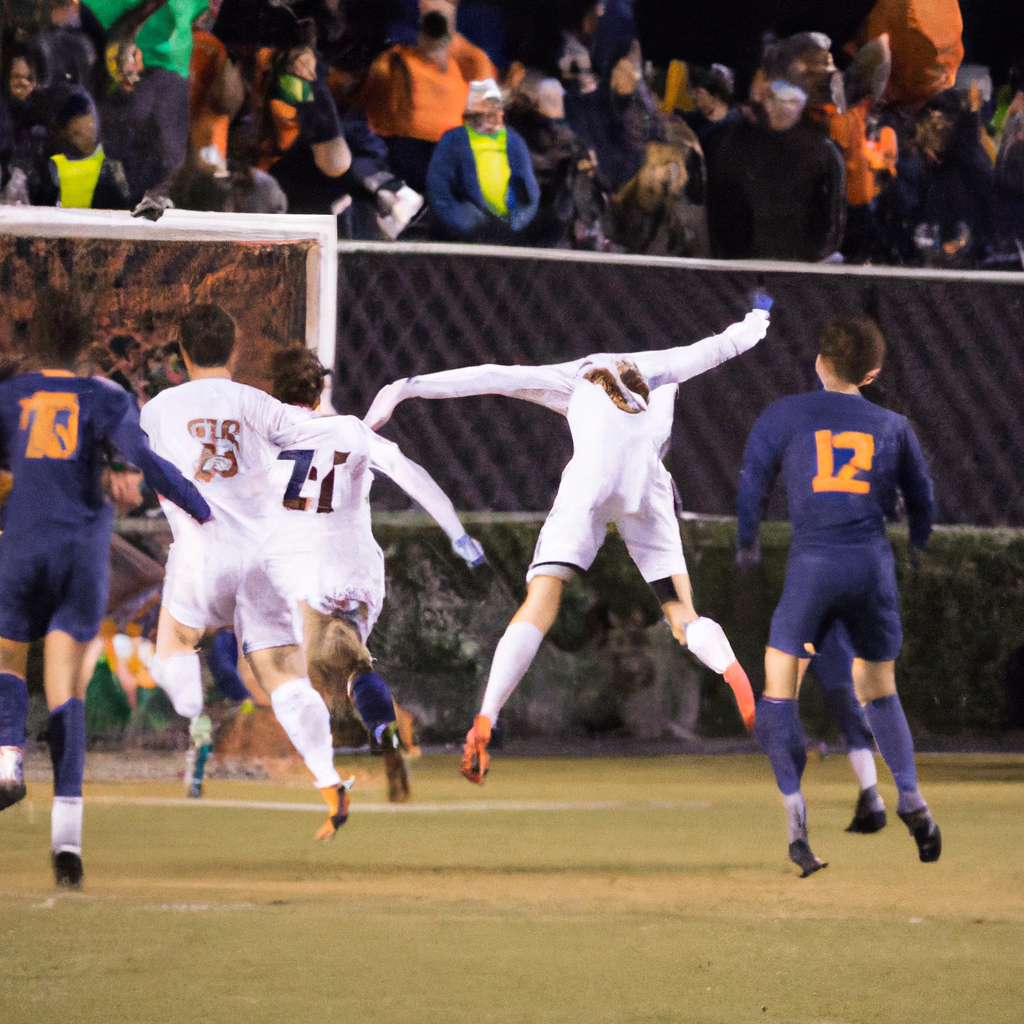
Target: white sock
{"x": 66, "y": 824}
{"x": 304, "y": 717}
{"x": 181, "y": 678}
{"x": 796, "y": 815}
{"x": 863, "y": 761}
{"x": 512, "y": 657}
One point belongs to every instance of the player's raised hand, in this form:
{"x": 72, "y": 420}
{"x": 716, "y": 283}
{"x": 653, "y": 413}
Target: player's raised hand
{"x": 384, "y": 404}
{"x": 760, "y": 299}
{"x": 469, "y": 550}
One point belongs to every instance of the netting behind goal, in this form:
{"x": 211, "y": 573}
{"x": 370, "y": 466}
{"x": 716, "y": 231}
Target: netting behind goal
{"x": 955, "y": 364}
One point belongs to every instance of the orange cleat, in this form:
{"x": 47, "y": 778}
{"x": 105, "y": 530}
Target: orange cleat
{"x": 740, "y": 685}
{"x": 337, "y": 800}
{"x": 475, "y": 759}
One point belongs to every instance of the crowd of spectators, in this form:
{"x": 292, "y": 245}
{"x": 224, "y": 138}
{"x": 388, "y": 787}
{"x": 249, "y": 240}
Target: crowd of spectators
{"x": 415, "y": 119}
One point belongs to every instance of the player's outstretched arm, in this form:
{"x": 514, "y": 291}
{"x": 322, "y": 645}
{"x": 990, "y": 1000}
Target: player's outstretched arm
{"x": 674, "y": 365}
{"x": 387, "y": 457}
{"x": 550, "y": 386}
{"x": 761, "y": 459}
{"x": 131, "y": 441}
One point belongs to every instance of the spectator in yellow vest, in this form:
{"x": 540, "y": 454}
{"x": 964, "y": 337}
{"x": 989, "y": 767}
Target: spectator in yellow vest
{"x": 81, "y": 175}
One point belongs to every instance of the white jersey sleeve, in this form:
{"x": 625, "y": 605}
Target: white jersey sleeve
{"x": 674, "y": 365}
{"x": 550, "y": 386}
{"x": 386, "y": 457}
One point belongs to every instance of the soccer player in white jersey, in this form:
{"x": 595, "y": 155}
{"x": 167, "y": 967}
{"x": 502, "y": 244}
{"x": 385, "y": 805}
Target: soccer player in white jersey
{"x": 227, "y": 436}
{"x": 620, "y": 410}
{"x": 323, "y": 553}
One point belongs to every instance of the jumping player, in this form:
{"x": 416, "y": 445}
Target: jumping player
{"x": 227, "y": 436}
{"x": 55, "y": 551}
{"x": 331, "y": 564}
{"x": 844, "y": 461}
{"x": 620, "y": 410}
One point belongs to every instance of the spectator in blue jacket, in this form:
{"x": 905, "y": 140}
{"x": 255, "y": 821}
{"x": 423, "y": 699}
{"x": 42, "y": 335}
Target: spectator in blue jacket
{"x": 480, "y": 182}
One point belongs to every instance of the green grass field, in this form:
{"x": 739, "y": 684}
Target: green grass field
{"x": 588, "y": 890}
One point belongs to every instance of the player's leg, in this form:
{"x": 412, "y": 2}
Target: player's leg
{"x": 705, "y": 638}
{"x": 876, "y": 689}
{"x": 340, "y": 666}
{"x": 281, "y": 673}
{"x": 833, "y": 664}
{"x": 781, "y": 737}
{"x": 176, "y": 667}
{"x": 65, "y": 683}
{"x": 13, "y": 716}
{"x": 514, "y": 654}
{"x": 653, "y": 541}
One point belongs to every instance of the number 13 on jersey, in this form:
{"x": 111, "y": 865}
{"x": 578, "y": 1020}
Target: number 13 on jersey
{"x": 846, "y": 480}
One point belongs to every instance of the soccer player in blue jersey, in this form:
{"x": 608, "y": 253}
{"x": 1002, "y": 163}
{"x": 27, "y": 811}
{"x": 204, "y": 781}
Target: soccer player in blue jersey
{"x": 845, "y": 461}
{"x": 55, "y": 550}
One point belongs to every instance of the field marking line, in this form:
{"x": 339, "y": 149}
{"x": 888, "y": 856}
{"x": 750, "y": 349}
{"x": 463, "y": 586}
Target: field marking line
{"x": 425, "y": 808}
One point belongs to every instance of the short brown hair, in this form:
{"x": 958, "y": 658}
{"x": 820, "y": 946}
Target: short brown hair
{"x": 854, "y": 346}
{"x": 298, "y": 375}
{"x": 207, "y": 335}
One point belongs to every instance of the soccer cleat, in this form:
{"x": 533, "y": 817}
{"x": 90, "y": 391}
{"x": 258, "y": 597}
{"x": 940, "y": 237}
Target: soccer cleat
{"x": 394, "y": 765}
{"x": 195, "y": 790}
{"x": 866, "y": 817}
{"x": 925, "y": 832}
{"x": 475, "y": 759}
{"x": 800, "y": 854}
{"x": 337, "y": 800}
{"x": 12, "y": 776}
{"x": 67, "y": 870}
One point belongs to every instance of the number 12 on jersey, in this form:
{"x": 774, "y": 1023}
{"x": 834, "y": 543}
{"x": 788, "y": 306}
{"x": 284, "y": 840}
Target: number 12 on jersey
{"x": 303, "y": 470}
{"x": 846, "y": 480}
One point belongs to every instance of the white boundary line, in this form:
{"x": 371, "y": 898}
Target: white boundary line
{"x": 425, "y": 808}
{"x": 677, "y": 262}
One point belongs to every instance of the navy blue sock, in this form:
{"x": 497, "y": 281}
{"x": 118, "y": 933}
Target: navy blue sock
{"x": 13, "y": 710}
{"x": 373, "y": 702}
{"x": 781, "y": 736}
{"x": 849, "y": 716}
{"x": 66, "y": 737}
{"x": 895, "y": 744}
{"x": 223, "y": 665}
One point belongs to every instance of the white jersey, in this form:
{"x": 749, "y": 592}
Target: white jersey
{"x": 323, "y": 550}
{"x": 616, "y": 455}
{"x": 225, "y": 437}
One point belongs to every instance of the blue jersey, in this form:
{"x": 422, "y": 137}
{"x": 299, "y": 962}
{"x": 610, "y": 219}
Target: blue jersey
{"x": 53, "y": 429}
{"x": 845, "y": 462}
{"x": 55, "y": 540}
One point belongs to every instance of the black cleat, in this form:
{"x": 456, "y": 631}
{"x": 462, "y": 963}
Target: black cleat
{"x": 800, "y": 854}
{"x": 12, "y": 778}
{"x": 865, "y": 819}
{"x": 67, "y": 870}
{"x": 926, "y": 834}
{"x": 195, "y": 790}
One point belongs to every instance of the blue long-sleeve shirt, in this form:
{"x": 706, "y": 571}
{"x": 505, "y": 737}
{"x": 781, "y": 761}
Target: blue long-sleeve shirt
{"x": 52, "y": 431}
{"x": 844, "y": 461}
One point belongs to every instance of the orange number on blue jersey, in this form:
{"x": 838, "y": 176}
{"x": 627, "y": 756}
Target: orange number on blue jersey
{"x": 863, "y": 447}
{"x": 51, "y": 419}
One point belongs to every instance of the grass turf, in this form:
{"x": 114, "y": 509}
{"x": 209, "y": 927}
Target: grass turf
{"x": 653, "y": 890}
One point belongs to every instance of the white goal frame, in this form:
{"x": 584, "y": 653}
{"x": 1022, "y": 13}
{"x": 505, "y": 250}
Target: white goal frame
{"x": 194, "y": 226}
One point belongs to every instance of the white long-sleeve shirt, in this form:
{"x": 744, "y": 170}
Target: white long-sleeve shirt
{"x": 615, "y": 453}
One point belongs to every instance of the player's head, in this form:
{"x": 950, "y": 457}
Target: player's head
{"x": 298, "y": 376}
{"x": 57, "y": 329}
{"x": 854, "y": 348}
{"x": 622, "y": 381}
{"x": 207, "y": 336}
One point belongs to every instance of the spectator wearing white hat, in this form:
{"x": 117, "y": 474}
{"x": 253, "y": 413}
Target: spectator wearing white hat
{"x": 480, "y": 182}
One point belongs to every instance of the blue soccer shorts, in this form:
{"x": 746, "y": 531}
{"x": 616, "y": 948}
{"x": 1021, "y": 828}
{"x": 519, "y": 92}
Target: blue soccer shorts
{"x": 855, "y": 585}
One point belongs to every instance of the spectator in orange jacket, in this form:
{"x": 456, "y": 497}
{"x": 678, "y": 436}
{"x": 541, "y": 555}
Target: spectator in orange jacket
{"x": 414, "y": 94}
